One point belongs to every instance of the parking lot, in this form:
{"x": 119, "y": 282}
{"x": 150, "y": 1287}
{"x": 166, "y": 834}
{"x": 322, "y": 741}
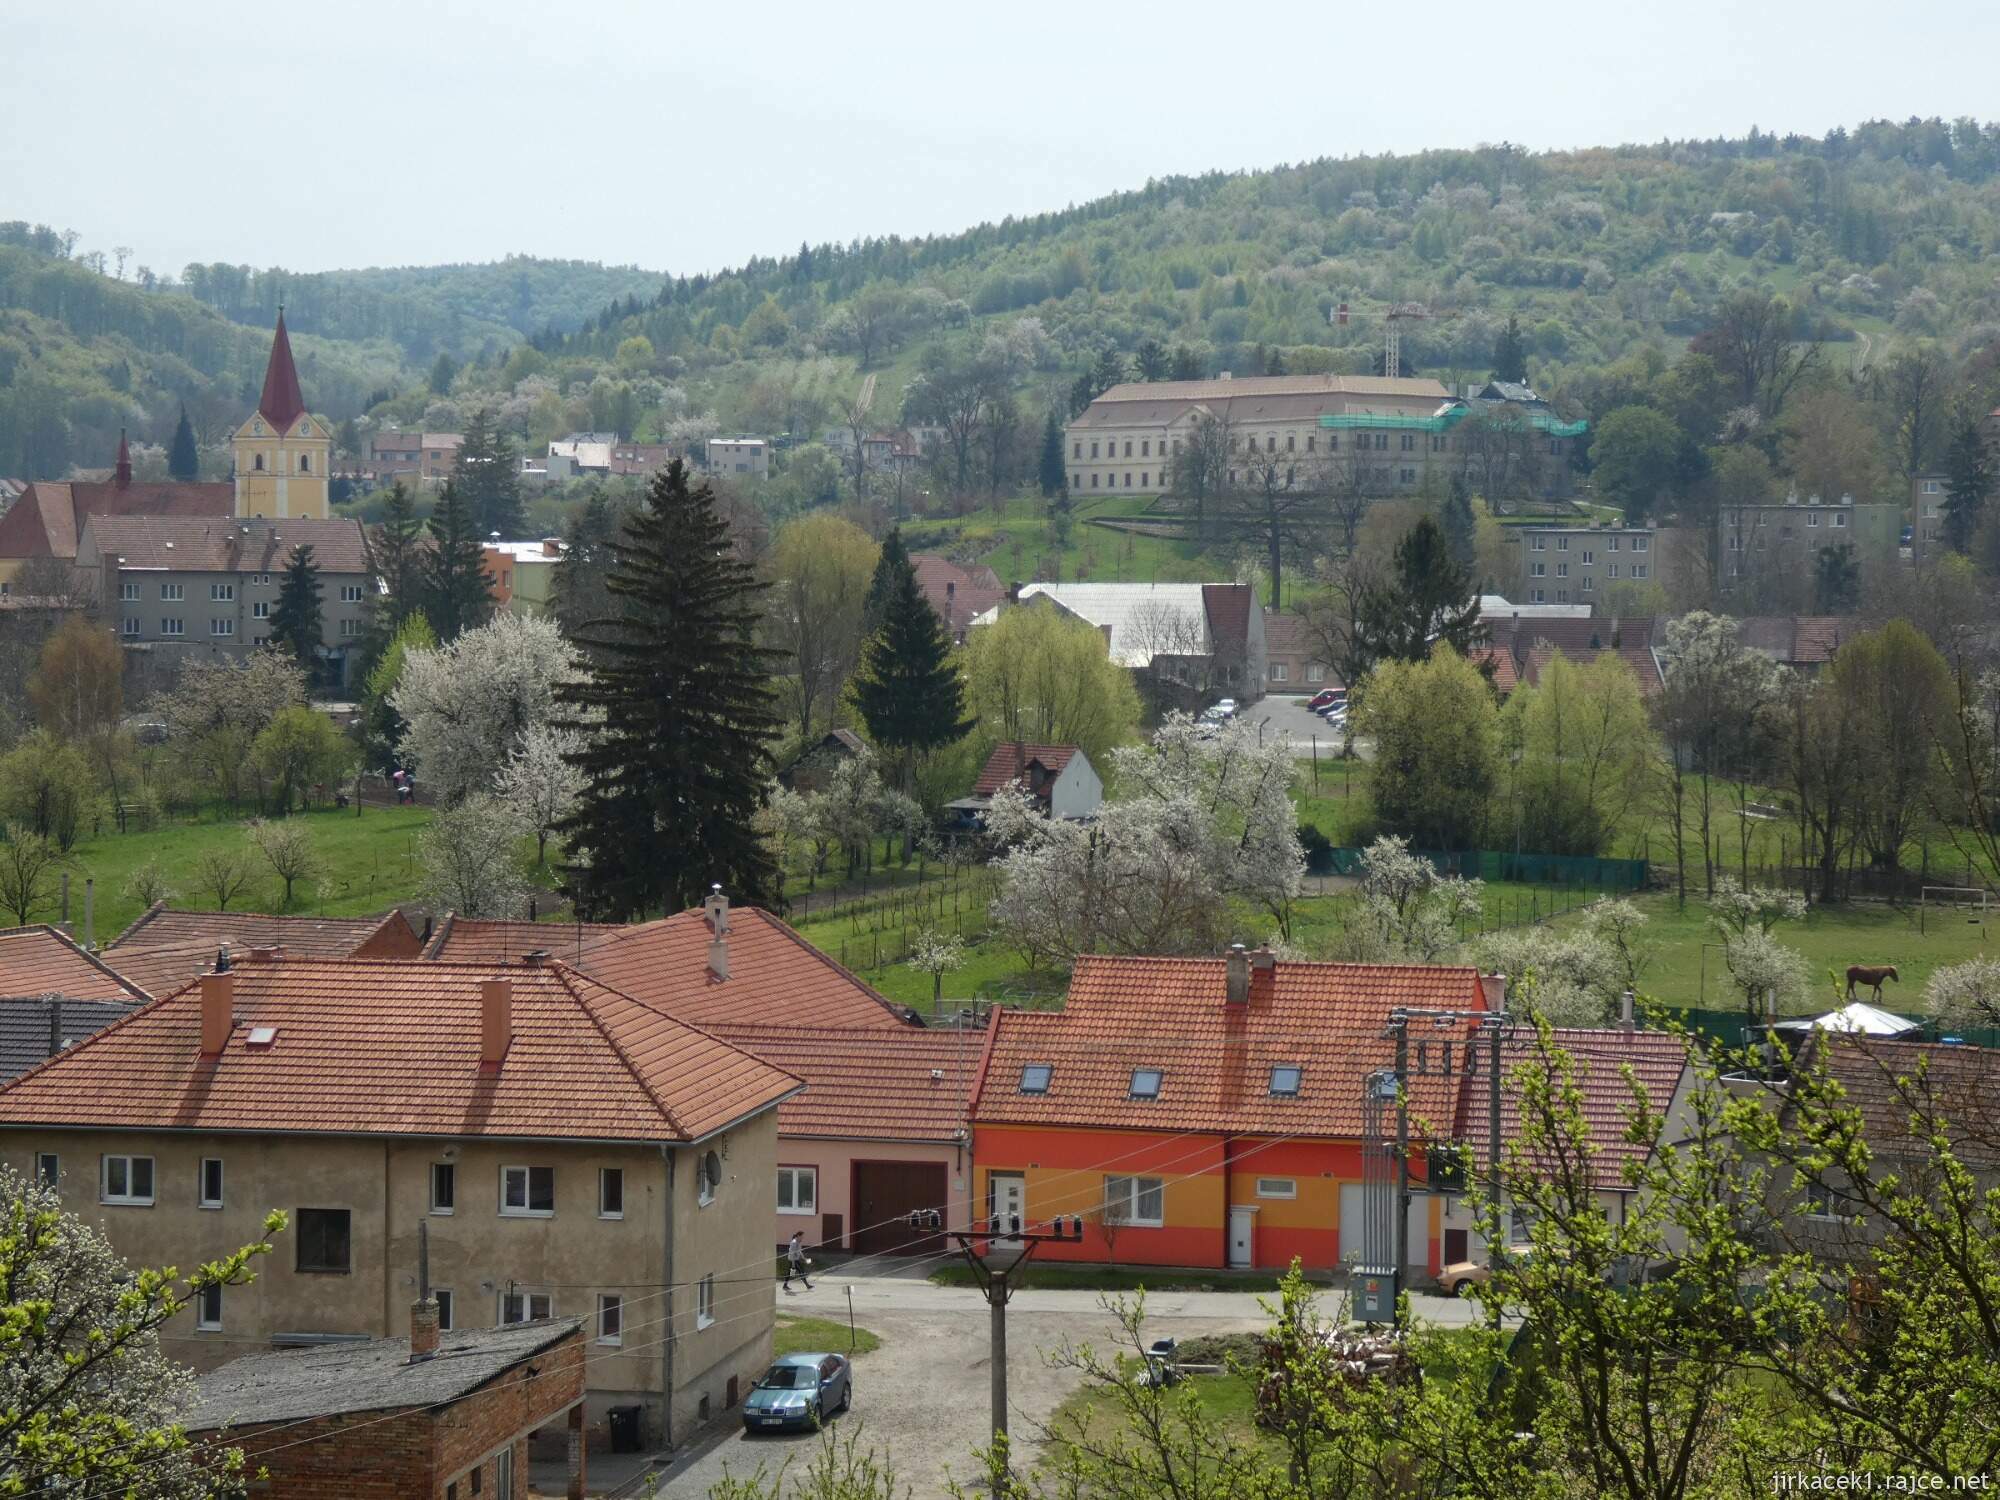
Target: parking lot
{"x": 1290, "y": 716}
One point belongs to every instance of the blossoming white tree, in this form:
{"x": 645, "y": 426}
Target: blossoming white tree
{"x": 470, "y": 705}
{"x": 541, "y": 783}
{"x": 468, "y": 859}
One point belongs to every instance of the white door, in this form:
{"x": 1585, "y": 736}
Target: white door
{"x": 1007, "y": 1193}
{"x": 1242, "y": 1225}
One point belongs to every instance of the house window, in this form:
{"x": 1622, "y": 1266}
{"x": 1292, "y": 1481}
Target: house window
{"x": 131, "y": 625}
{"x": 1381, "y": 442}
{"x": 1093, "y": 450}
{"x": 708, "y": 1177}
{"x": 1538, "y": 599}
{"x": 222, "y": 593}
{"x": 1562, "y": 544}
{"x": 1145, "y": 480}
{"x": 305, "y": 463}
{"x": 48, "y": 1169}
{"x": 128, "y": 593}
{"x": 349, "y": 629}
{"x": 1839, "y": 519}
{"x": 1278, "y": 671}
{"x": 1076, "y": 450}
{"x": 325, "y": 1239}
{"x": 610, "y": 1192}
{"x": 1285, "y": 1080}
{"x": 1931, "y": 487}
{"x": 1562, "y": 570}
{"x": 1145, "y": 1083}
{"x": 1611, "y": 544}
{"x": 1135, "y": 1200}
{"x": 1128, "y": 447}
{"x": 1145, "y": 449}
{"x": 171, "y": 592}
{"x": 1291, "y": 442}
{"x": 350, "y": 593}
{"x": 1277, "y": 1187}
{"x": 1409, "y": 442}
{"x": 1820, "y": 1202}
{"x": 528, "y": 1191}
{"x": 173, "y": 627}
{"x": 1562, "y": 596}
{"x": 208, "y": 1308}
{"x": 1270, "y": 442}
{"x": 1128, "y": 479}
{"x": 257, "y": 463}
{"x": 704, "y": 1301}
{"x": 1611, "y": 571}
{"x": 1538, "y": 543}
{"x": 1315, "y": 672}
{"x": 1035, "y": 1077}
{"x": 1638, "y": 570}
{"x": 1093, "y": 481}
{"x": 262, "y": 579}
{"x": 222, "y": 627}
{"x": 1589, "y": 584}
{"x": 525, "y": 1307}
{"x": 128, "y": 1179}
{"x": 211, "y": 1182}
{"x": 610, "y": 1320}
{"x": 1408, "y": 476}
{"x": 1589, "y": 558}
{"x": 442, "y": 1296}
{"x": 444, "y": 1187}
{"x": 1538, "y": 570}
{"x": 798, "y": 1190}
{"x": 1333, "y": 442}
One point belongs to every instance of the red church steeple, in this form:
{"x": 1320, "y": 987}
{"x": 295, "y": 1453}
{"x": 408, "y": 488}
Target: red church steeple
{"x": 282, "y": 403}
{"x": 122, "y": 475}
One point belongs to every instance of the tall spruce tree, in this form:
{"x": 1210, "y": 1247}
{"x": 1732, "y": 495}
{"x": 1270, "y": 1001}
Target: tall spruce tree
{"x": 1054, "y": 472}
{"x": 909, "y": 690}
{"x": 184, "y": 457}
{"x": 1510, "y": 353}
{"x": 457, "y": 589}
{"x": 486, "y": 474}
{"x": 890, "y": 567}
{"x": 679, "y": 712}
{"x": 1968, "y": 485}
{"x": 296, "y": 621}
{"x": 1426, "y": 598}
{"x": 1461, "y": 527}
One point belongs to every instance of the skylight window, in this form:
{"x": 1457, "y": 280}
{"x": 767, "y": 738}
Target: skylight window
{"x": 261, "y": 1036}
{"x": 1285, "y": 1082}
{"x": 1145, "y": 1083}
{"x": 1035, "y": 1078}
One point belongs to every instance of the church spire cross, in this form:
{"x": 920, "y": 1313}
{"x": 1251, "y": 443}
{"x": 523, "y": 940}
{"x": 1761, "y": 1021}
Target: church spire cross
{"x": 282, "y": 403}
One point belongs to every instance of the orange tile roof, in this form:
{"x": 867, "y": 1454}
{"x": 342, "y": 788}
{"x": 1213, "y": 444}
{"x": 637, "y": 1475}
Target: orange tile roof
{"x": 164, "y": 948}
{"x": 39, "y": 960}
{"x": 379, "y": 1048}
{"x": 1597, "y": 1057}
{"x": 1010, "y": 760}
{"x": 774, "y": 974}
{"x": 869, "y": 1084}
{"x": 469, "y": 940}
{"x": 1216, "y": 1058}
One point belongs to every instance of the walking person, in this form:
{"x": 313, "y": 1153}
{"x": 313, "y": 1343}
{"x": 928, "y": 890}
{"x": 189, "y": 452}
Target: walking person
{"x": 795, "y": 1260}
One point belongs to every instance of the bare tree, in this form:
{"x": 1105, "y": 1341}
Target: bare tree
{"x": 287, "y": 847}
{"x": 1198, "y": 472}
{"x": 1278, "y": 509}
{"x": 1754, "y": 342}
{"x": 221, "y": 873}
{"x": 29, "y": 867}
{"x": 57, "y": 583}
{"x": 1914, "y": 390}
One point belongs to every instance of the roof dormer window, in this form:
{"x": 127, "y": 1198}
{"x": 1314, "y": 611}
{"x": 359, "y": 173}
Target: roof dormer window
{"x": 1035, "y": 1078}
{"x": 1146, "y": 1083}
{"x": 1285, "y": 1080}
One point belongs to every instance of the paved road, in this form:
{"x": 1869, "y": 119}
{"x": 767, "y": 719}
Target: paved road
{"x": 1289, "y": 716}
{"x": 924, "y": 1395}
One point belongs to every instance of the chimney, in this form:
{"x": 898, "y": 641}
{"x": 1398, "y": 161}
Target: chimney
{"x": 496, "y": 1021}
{"x": 424, "y": 1311}
{"x": 218, "y": 1011}
{"x": 1627, "y": 1021}
{"x": 1261, "y": 957}
{"x": 1494, "y": 987}
{"x": 717, "y": 909}
{"x": 1237, "y": 967}
{"x": 90, "y": 912}
{"x": 265, "y": 953}
{"x": 55, "y": 1024}
{"x": 536, "y": 958}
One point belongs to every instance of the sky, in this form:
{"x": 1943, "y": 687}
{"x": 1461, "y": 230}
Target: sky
{"x": 687, "y": 138}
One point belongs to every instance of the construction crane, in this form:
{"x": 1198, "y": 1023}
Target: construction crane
{"x": 1392, "y": 335}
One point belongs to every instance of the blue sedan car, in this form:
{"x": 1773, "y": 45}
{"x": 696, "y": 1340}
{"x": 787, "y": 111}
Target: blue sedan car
{"x": 799, "y": 1390}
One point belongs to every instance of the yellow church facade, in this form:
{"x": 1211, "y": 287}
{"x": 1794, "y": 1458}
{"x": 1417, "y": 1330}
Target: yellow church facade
{"x": 283, "y": 454}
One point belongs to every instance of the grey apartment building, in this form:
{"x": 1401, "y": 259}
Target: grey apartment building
{"x": 1577, "y": 564}
{"x": 206, "y": 585}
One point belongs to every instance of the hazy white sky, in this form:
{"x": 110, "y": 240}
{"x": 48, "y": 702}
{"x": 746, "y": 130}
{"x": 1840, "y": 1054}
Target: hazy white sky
{"x": 688, "y": 137}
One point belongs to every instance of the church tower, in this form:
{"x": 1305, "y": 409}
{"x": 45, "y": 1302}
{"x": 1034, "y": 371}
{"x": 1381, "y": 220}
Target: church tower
{"x": 282, "y": 453}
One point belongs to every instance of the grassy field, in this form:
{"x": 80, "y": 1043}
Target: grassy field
{"x": 798, "y": 1335}
{"x": 1012, "y": 538}
{"x": 370, "y": 864}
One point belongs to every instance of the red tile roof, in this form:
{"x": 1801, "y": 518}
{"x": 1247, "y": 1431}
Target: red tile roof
{"x": 1216, "y": 1058}
{"x": 48, "y": 518}
{"x": 1598, "y": 1056}
{"x": 39, "y": 960}
{"x": 1009, "y": 762}
{"x": 1959, "y": 1085}
{"x": 1534, "y": 643}
{"x": 774, "y": 974}
{"x": 282, "y": 403}
{"x": 1505, "y": 677}
{"x": 209, "y": 544}
{"x": 869, "y": 1084}
{"x": 957, "y": 593}
{"x": 374, "y": 1048}
{"x": 164, "y": 949}
{"x": 1228, "y": 607}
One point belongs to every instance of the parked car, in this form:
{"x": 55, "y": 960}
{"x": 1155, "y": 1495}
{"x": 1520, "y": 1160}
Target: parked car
{"x": 1326, "y": 698}
{"x": 799, "y": 1390}
{"x": 1336, "y": 715}
{"x": 1460, "y": 1274}
{"x": 1223, "y": 706}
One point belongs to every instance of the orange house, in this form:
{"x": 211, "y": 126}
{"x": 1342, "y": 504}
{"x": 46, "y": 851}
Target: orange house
{"x": 1204, "y": 1112}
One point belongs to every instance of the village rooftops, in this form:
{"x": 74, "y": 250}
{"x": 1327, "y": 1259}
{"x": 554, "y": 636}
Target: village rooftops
{"x": 1160, "y": 1044}
{"x": 227, "y": 544}
{"x": 164, "y": 948}
{"x": 1012, "y": 761}
{"x": 366, "y": 1047}
{"x": 40, "y": 960}
{"x": 907, "y": 1085}
{"x": 1894, "y": 1083}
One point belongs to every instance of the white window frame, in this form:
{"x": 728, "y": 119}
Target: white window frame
{"x": 705, "y": 1184}
{"x": 610, "y": 1319}
{"x": 222, "y": 593}
{"x": 527, "y": 1181}
{"x": 797, "y": 1177}
{"x": 1820, "y": 1200}
{"x": 1277, "y": 1187}
{"x": 221, "y": 627}
{"x": 202, "y": 1198}
{"x": 1125, "y": 1197}
{"x": 173, "y": 592}
{"x": 704, "y": 1301}
{"x": 127, "y": 1197}
{"x": 523, "y": 1300}
{"x": 604, "y": 1177}
{"x": 260, "y": 609}
{"x": 1298, "y": 1083}
{"x": 175, "y": 626}
{"x": 450, "y": 1169}
{"x": 208, "y": 1308}
{"x": 128, "y": 593}
{"x": 350, "y": 593}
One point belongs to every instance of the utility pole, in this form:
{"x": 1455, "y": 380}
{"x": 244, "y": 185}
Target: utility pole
{"x": 1008, "y": 1249}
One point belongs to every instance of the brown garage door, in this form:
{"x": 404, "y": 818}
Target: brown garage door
{"x": 885, "y": 1192}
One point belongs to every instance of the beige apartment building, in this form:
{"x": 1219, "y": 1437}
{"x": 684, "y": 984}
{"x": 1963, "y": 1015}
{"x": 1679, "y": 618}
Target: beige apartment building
{"x": 565, "y": 1150}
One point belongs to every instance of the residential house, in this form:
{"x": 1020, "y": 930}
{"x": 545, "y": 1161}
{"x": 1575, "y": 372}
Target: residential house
{"x": 1520, "y": 648}
{"x": 1805, "y": 643}
{"x": 1581, "y": 564}
{"x": 1204, "y": 1112}
{"x": 959, "y": 594}
{"x": 747, "y": 457}
{"x": 1766, "y": 549}
{"x": 1059, "y": 778}
{"x": 1495, "y": 609}
{"x": 1193, "y": 640}
{"x": 52, "y": 995}
{"x": 1292, "y": 661}
{"x": 579, "y": 456}
{"x": 420, "y": 457}
{"x": 206, "y": 586}
{"x": 566, "y": 1149}
{"x": 166, "y": 947}
{"x": 813, "y": 766}
{"x": 436, "y": 1415}
{"x": 641, "y": 460}
{"x": 523, "y": 573}
{"x": 47, "y": 519}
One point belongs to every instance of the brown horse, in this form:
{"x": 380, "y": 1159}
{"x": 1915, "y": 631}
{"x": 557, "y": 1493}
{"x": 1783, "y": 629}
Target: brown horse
{"x": 1873, "y": 977}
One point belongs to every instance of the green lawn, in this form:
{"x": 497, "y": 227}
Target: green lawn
{"x": 1012, "y": 538}
{"x": 800, "y": 1335}
{"x": 370, "y": 864}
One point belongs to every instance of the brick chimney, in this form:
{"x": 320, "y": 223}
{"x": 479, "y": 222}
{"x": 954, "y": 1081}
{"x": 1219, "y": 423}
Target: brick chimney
{"x": 496, "y": 1021}
{"x": 717, "y": 909}
{"x": 1236, "y": 989}
{"x": 423, "y": 1311}
{"x": 1494, "y": 986}
{"x": 218, "y": 1011}
{"x": 265, "y": 953}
